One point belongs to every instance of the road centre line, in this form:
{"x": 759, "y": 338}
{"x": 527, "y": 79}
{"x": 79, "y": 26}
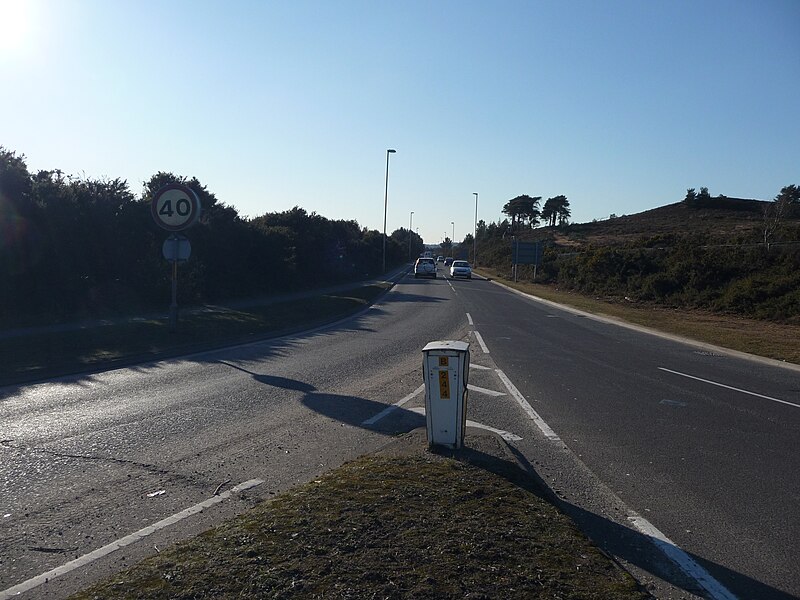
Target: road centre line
{"x": 481, "y": 342}
{"x": 685, "y": 563}
{"x": 122, "y": 542}
{"x": 396, "y": 405}
{"x": 469, "y": 319}
{"x": 728, "y": 387}
{"x": 512, "y": 389}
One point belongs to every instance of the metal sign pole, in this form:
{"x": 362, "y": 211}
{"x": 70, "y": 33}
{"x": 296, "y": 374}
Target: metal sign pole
{"x": 173, "y": 308}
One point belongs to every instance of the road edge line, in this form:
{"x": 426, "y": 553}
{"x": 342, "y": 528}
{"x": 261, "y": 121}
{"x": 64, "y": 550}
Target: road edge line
{"x": 132, "y": 538}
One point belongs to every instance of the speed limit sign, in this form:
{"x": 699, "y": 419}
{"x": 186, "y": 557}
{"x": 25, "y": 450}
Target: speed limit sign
{"x": 175, "y": 207}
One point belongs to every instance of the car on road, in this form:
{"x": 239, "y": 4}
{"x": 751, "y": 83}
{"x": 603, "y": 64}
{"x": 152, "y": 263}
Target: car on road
{"x": 460, "y": 268}
{"x": 425, "y": 267}
{"x": 448, "y": 261}
{"x": 439, "y": 259}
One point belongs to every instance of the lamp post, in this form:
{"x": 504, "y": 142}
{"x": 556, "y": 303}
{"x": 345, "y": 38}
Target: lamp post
{"x": 385, "y": 203}
{"x": 410, "y": 222}
{"x": 475, "y": 235}
{"x": 453, "y": 239}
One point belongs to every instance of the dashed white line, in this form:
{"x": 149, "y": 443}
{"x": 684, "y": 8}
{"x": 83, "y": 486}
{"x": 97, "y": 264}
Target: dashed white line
{"x": 469, "y": 319}
{"x": 396, "y": 405}
{"x": 479, "y": 367}
{"x": 728, "y": 387}
{"x": 122, "y": 542}
{"x": 512, "y": 389}
{"x": 481, "y": 342}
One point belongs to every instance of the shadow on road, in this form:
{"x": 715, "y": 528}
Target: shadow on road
{"x": 620, "y": 541}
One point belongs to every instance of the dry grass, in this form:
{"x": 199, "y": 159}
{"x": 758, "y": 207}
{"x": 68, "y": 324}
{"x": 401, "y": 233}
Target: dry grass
{"x": 387, "y": 527}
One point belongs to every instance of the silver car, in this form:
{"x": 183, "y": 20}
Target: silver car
{"x": 460, "y": 268}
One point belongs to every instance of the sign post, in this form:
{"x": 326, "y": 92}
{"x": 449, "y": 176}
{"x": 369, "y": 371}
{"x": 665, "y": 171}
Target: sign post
{"x": 175, "y": 207}
{"x": 526, "y": 253}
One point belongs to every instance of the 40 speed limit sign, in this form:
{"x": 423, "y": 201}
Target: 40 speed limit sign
{"x": 175, "y": 207}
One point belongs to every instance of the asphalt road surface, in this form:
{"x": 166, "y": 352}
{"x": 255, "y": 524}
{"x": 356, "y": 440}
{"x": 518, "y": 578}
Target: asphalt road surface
{"x": 657, "y": 461}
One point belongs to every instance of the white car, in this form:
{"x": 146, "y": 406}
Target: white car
{"x": 460, "y": 268}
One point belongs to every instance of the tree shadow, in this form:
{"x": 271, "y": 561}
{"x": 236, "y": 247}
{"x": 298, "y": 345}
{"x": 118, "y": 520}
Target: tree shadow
{"x": 274, "y": 380}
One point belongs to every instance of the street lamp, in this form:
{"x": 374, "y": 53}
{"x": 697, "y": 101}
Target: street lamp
{"x": 453, "y": 239}
{"x": 410, "y": 222}
{"x": 385, "y": 202}
{"x": 475, "y": 235}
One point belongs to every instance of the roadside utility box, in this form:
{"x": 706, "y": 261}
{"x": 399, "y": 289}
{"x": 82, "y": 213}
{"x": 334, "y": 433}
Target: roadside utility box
{"x": 445, "y": 369}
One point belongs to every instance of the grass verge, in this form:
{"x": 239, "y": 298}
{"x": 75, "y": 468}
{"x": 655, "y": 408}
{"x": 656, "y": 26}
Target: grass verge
{"x": 763, "y": 338}
{"x": 387, "y": 527}
{"x": 41, "y": 355}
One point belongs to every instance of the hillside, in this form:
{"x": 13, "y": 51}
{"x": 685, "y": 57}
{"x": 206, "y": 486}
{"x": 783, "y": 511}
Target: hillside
{"x": 710, "y": 255}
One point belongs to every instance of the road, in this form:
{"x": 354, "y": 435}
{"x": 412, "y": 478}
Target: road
{"x": 87, "y": 461}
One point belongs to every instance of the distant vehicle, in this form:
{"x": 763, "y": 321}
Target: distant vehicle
{"x": 448, "y": 261}
{"x": 461, "y": 268}
{"x": 427, "y": 254}
{"x": 425, "y": 267}
{"x": 439, "y": 259}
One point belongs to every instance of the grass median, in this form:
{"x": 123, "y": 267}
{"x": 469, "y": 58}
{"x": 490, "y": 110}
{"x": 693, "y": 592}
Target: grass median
{"x": 50, "y": 353}
{"x": 780, "y": 341}
{"x": 387, "y": 527}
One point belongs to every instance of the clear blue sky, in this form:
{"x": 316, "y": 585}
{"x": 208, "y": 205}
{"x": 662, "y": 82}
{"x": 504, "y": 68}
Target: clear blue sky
{"x": 619, "y": 105}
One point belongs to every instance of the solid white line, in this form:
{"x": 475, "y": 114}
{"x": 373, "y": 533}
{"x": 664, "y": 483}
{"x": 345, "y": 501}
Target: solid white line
{"x": 122, "y": 542}
{"x": 479, "y": 367}
{"x": 481, "y": 342}
{"x": 727, "y": 387}
{"x": 544, "y": 427}
{"x": 469, "y": 319}
{"x": 686, "y": 563}
{"x": 396, "y": 405}
{"x": 481, "y": 390}
{"x": 506, "y": 435}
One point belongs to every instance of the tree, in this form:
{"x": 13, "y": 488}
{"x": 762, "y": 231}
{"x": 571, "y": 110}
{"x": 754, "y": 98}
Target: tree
{"x": 556, "y": 210}
{"x": 691, "y": 196}
{"x": 522, "y": 208}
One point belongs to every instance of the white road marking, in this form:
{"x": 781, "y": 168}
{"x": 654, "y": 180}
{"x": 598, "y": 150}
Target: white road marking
{"x": 544, "y": 427}
{"x": 481, "y": 342}
{"x": 396, "y": 405}
{"x": 506, "y": 435}
{"x": 673, "y": 552}
{"x": 481, "y": 390}
{"x": 728, "y": 387}
{"x": 686, "y": 563}
{"x": 122, "y": 542}
{"x": 469, "y": 319}
{"x": 479, "y": 367}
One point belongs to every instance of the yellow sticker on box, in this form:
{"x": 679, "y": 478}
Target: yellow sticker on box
{"x": 443, "y": 361}
{"x": 444, "y": 385}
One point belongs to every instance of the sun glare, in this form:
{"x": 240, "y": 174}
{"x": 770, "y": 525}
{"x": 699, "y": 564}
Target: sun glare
{"x": 14, "y": 24}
